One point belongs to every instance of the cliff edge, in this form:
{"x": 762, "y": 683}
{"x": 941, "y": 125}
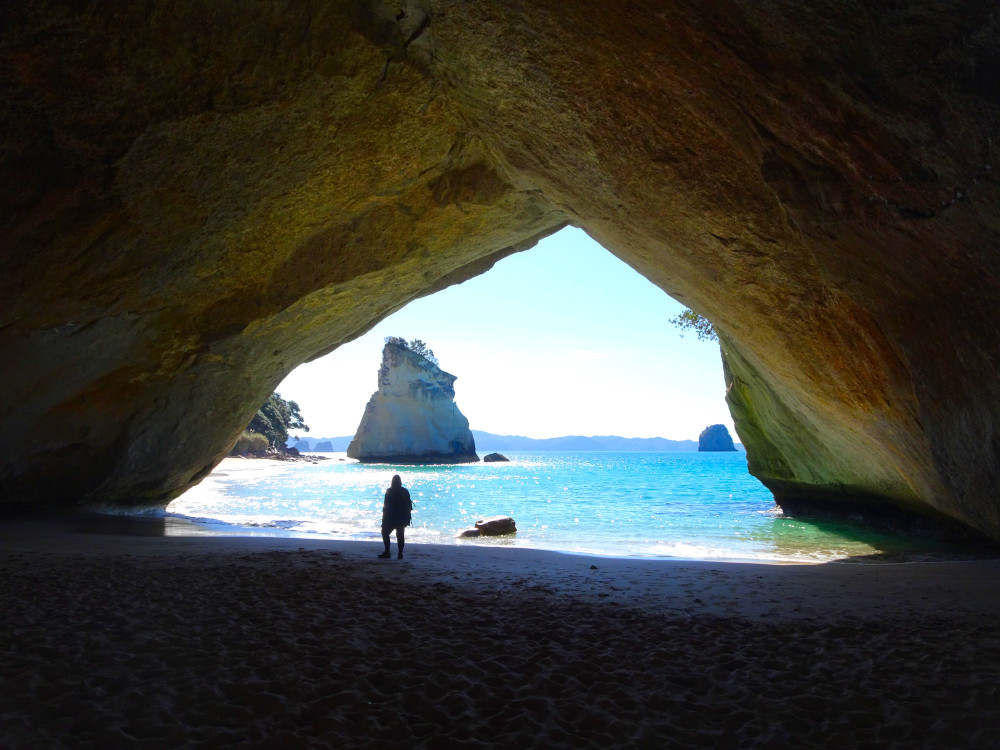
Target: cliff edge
{"x": 412, "y": 417}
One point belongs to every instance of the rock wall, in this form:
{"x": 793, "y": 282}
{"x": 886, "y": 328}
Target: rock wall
{"x": 196, "y": 198}
{"x": 413, "y": 417}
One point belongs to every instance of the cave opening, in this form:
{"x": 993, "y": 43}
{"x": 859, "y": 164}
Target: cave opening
{"x": 568, "y": 361}
{"x": 562, "y": 339}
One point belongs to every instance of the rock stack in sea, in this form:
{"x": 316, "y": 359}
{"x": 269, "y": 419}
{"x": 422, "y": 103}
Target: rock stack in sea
{"x": 412, "y": 417}
{"x": 715, "y": 438}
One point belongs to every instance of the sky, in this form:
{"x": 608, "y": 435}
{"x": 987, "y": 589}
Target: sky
{"x": 561, "y": 339}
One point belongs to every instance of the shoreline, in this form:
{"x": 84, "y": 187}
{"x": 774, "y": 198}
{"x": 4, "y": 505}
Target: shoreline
{"x": 909, "y": 548}
{"x": 97, "y": 536}
{"x": 182, "y": 525}
{"x": 118, "y": 634}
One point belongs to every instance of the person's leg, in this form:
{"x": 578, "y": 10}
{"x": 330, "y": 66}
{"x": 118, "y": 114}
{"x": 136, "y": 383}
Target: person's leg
{"x": 385, "y": 540}
{"x": 400, "y": 541}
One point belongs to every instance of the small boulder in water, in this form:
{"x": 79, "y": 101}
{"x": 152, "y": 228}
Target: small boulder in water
{"x": 495, "y": 457}
{"x": 468, "y": 534}
{"x": 496, "y": 526}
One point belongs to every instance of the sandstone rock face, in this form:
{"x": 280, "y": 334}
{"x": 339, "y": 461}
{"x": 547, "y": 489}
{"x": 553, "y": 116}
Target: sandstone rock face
{"x": 194, "y": 202}
{"x": 715, "y": 438}
{"x": 412, "y": 417}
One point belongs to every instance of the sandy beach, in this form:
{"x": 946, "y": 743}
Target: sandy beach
{"x": 122, "y": 633}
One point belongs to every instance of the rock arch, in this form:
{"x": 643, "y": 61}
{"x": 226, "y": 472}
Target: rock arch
{"x": 198, "y": 197}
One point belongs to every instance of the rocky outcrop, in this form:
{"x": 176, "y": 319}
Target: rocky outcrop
{"x": 196, "y": 202}
{"x": 412, "y": 417}
{"x": 715, "y": 438}
{"x": 323, "y": 446}
{"x": 489, "y": 526}
{"x": 496, "y": 526}
{"x": 494, "y": 457}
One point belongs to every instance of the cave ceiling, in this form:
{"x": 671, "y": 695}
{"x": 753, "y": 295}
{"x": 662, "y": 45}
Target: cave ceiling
{"x": 198, "y": 196}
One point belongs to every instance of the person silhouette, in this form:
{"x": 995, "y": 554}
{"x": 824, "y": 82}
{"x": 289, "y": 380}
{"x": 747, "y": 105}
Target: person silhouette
{"x": 395, "y": 515}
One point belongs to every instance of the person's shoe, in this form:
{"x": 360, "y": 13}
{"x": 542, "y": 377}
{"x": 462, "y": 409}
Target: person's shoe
{"x": 385, "y": 555}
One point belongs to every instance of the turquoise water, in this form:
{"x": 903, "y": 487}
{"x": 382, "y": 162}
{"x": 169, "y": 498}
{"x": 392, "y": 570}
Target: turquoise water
{"x": 684, "y": 504}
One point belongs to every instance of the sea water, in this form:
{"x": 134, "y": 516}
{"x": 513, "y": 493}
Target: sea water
{"x": 665, "y": 504}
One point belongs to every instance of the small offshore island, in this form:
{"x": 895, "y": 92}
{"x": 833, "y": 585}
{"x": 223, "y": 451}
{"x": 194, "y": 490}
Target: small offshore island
{"x": 412, "y": 418}
{"x": 715, "y": 438}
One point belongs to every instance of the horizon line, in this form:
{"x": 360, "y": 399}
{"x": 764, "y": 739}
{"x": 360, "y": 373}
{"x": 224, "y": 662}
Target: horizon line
{"x": 529, "y": 437}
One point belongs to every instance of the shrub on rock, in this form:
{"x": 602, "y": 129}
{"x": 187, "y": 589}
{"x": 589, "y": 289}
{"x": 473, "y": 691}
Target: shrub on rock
{"x": 252, "y": 443}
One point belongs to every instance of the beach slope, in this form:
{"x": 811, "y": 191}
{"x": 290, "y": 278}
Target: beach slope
{"x": 131, "y": 633}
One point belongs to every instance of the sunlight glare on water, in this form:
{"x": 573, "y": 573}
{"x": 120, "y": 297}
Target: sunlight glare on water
{"x": 683, "y": 504}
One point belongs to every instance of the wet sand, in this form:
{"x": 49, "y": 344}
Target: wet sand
{"x": 116, "y": 634}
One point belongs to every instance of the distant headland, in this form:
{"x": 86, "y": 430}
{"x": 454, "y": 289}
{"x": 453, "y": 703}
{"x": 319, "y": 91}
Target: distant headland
{"x": 489, "y": 442}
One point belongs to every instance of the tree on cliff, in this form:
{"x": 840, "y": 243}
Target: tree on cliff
{"x": 689, "y": 320}
{"x": 275, "y": 418}
{"x": 416, "y": 346}
{"x": 423, "y": 350}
